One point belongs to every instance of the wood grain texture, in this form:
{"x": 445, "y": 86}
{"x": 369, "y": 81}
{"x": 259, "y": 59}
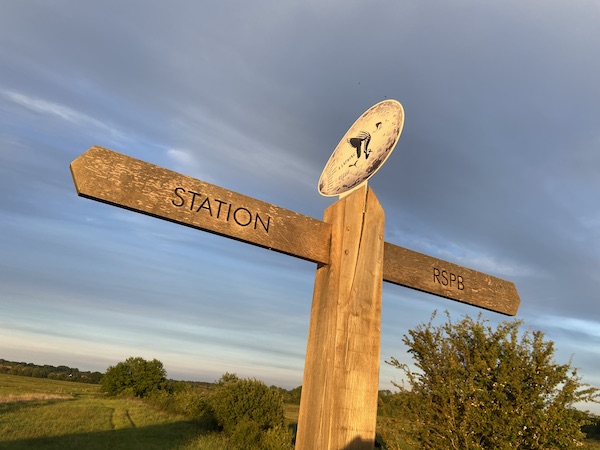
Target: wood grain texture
{"x": 338, "y": 407}
{"x": 435, "y": 276}
{"x": 113, "y": 178}
{"x": 120, "y": 180}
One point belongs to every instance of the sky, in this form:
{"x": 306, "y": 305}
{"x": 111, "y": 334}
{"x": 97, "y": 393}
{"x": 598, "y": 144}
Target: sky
{"x": 497, "y": 169}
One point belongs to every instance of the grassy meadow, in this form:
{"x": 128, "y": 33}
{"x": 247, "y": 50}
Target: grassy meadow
{"x": 53, "y": 414}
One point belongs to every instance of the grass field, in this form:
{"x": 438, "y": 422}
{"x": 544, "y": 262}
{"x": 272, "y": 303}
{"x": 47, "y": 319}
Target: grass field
{"x": 52, "y": 414}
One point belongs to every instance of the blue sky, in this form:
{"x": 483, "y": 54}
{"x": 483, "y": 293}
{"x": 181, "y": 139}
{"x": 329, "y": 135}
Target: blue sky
{"x": 497, "y": 169}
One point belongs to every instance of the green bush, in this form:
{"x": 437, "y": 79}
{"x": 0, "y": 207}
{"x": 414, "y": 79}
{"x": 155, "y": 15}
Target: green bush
{"x": 277, "y": 438}
{"x": 245, "y": 435}
{"x": 250, "y": 413}
{"x": 484, "y": 388}
{"x": 135, "y": 377}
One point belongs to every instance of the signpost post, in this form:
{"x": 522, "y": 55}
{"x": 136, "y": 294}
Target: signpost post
{"x": 338, "y": 407}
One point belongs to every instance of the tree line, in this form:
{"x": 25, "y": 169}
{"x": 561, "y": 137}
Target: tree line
{"x": 64, "y": 373}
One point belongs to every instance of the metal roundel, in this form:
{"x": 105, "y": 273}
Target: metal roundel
{"x": 363, "y": 149}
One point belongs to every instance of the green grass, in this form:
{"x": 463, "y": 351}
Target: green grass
{"x": 291, "y": 413}
{"x": 50, "y": 414}
{"x": 18, "y": 385}
{"x": 591, "y": 444}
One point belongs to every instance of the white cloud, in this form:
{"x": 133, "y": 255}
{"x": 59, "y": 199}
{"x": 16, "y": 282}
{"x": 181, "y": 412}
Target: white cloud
{"x": 464, "y": 255}
{"x": 41, "y": 106}
{"x": 181, "y": 156}
{"x": 588, "y": 327}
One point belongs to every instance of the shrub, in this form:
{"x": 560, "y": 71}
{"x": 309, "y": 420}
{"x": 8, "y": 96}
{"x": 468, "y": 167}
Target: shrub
{"x": 480, "y": 388}
{"x": 250, "y": 413}
{"x": 277, "y": 438}
{"x": 134, "y": 376}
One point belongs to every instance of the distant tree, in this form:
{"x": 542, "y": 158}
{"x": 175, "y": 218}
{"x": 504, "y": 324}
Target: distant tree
{"x": 93, "y": 377}
{"x": 291, "y": 396}
{"x": 39, "y": 373}
{"x": 592, "y": 429}
{"x": 480, "y": 388}
{"x": 134, "y": 376}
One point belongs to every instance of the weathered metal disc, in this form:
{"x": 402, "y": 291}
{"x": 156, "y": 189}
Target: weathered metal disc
{"x": 363, "y": 149}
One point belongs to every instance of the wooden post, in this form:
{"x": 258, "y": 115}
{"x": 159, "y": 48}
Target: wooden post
{"x": 338, "y": 407}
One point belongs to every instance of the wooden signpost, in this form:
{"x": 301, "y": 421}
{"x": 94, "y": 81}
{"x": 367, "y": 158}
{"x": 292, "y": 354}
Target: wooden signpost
{"x": 338, "y": 407}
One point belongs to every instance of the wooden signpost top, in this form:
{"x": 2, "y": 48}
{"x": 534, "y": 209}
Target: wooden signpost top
{"x": 338, "y": 407}
{"x": 113, "y": 178}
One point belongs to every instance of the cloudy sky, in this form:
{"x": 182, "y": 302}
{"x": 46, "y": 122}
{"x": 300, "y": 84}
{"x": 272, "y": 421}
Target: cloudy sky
{"x": 497, "y": 169}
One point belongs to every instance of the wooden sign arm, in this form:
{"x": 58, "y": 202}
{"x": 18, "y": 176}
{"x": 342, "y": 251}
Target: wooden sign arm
{"x": 110, "y": 177}
{"x": 432, "y": 275}
{"x": 106, "y": 176}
